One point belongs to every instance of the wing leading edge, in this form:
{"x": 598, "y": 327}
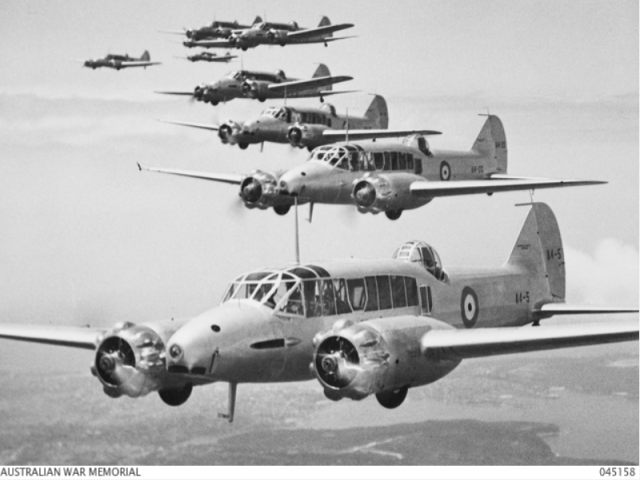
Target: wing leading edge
{"x": 374, "y": 133}
{"x": 485, "y": 342}
{"x": 216, "y": 177}
{"x": 78, "y": 337}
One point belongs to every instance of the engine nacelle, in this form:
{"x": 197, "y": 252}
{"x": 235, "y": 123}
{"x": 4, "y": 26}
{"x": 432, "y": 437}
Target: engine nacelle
{"x": 130, "y": 360}
{"x": 255, "y": 89}
{"x": 260, "y": 189}
{"x": 377, "y": 193}
{"x": 229, "y": 131}
{"x": 304, "y": 135}
{"x": 380, "y": 356}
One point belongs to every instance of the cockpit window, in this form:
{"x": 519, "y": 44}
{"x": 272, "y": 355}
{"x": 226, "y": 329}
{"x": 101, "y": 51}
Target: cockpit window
{"x": 424, "y": 254}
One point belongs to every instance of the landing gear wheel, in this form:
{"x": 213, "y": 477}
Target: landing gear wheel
{"x": 393, "y": 214}
{"x": 244, "y": 49}
{"x": 243, "y": 146}
{"x": 176, "y": 396}
{"x": 282, "y": 209}
{"x": 260, "y": 99}
{"x": 214, "y": 102}
{"x": 392, "y": 398}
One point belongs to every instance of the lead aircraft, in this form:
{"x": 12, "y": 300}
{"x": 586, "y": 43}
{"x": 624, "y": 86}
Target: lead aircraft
{"x": 121, "y": 61}
{"x": 305, "y": 127}
{"x": 361, "y": 327}
{"x": 263, "y": 85}
{"x": 216, "y": 29}
{"x": 384, "y": 177}
{"x": 269, "y": 33}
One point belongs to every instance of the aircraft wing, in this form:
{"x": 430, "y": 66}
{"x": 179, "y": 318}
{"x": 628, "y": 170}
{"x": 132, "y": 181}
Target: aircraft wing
{"x": 362, "y": 134}
{"x": 138, "y": 64}
{"x": 216, "y": 177}
{"x": 298, "y": 85}
{"x": 164, "y": 92}
{"x": 204, "y": 126}
{"x": 218, "y": 43}
{"x": 79, "y": 337}
{"x": 484, "y": 342}
{"x": 491, "y": 185}
{"x": 566, "y": 309}
{"x": 314, "y": 32}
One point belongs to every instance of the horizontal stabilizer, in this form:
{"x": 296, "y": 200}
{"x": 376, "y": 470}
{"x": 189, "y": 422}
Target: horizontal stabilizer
{"x": 314, "y": 32}
{"x": 484, "y": 342}
{"x": 299, "y": 85}
{"x": 215, "y": 177}
{"x": 565, "y": 309}
{"x": 78, "y": 337}
{"x": 365, "y": 134}
{"x": 204, "y": 126}
{"x": 492, "y": 185}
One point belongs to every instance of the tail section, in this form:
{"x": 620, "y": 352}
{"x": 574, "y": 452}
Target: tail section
{"x": 324, "y": 22}
{"x": 492, "y": 142}
{"x": 257, "y": 20}
{"x": 378, "y": 113}
{"x": 322, "y": 71}
{"x": 145, "y": 56}
{"x": 539, "y": 251}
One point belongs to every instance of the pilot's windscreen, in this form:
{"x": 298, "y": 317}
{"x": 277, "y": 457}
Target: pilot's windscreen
{"x": 293, "y": 304}
{"x": 342, "y": 301}
{"x": 357, "y": 293}
{"x": 353, "y": 161}
{"x": 313, "y": 298}
{"x": 328, "y": 298}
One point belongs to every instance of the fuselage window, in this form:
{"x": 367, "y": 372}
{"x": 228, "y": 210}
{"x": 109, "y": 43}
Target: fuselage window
{"x": 378, "y": 158}
{"x": 328, "y": 122}
{"x": 412, "y": 291}
{"x": 418, "y": 165}
{"x": 313, "y": 298}
{"x": 357, "y": 293}
{"x": 398, "y": 293}
{"x": 387, "y": 160}
{"x": 303, "y": 117}
{"x": 394, "y": 161}
{"x": 402, "y": 161}
{"x": 353, "y": 162}
{"x": 384, "y": 292}
{"x": 328, "y": 298}
{"x": 409, "y": 161}
{"x": 372, "y": 294}
{"x": 342, "y": 300}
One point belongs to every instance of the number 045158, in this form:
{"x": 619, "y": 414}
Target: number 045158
{"x": 618, "y": 471}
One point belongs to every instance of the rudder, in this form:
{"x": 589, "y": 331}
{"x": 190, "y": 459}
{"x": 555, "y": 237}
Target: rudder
{"x": 492, "y": 141}
{"x": 324, "y": 21}
{"x": 378, "y": 113}
{"x": 321, "y": 71}
{"x": 539, "y": 251}
{"x": 145, "y": 56}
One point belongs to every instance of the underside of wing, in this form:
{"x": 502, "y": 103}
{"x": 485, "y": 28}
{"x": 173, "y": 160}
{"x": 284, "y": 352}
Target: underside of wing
{"x": 204, "y": 126}
{"x": 78, "y": 337}
{"x": 215, "y": 177}
{"x": 299, "y": 85}
{"x": 221, "y": 43}
{"x": 566, "y": 309}
{"x": 138, "y": 64}
{"x": 492, "y": 185}
{"x": 484, "y": 342}
{"x": 165, "y": 92}
{"x": 314, "y": 32}
{"x": 363, "y": 134}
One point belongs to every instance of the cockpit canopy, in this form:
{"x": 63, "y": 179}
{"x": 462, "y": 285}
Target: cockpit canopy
{"x": 279, "y": 113}
{"x": 346, "y": 157}
{"x": 425, "y": 255}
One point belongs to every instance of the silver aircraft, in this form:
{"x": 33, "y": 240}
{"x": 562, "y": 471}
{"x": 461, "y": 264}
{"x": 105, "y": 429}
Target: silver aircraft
{"x": 263, "y": 85}
{"x": 360, "y": 327}
{"x": 210, "y": 57}
{"x": 269, "y": 33}
{"x": 216, "y": 29}
{"x": 385, "y": 177}
{"x": 121, "y": 61}
{"x": 306, "y": 127}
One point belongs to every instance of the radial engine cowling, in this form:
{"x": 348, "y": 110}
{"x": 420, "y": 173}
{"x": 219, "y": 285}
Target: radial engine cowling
{"x": 228, "y": 131}
{"x": 303, "y": 135}
{"x": 130, "y": 360}
{"x": 377, "y": 193}
{"x": 255, "y": 89}
{"x": 379, "y": 357}
{"x": 260, "y": 189}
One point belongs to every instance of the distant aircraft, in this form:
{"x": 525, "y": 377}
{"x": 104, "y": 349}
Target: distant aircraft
{"x": 361, "y": 327}
{"x": 121, "y": 61}
{"x": 269, "y": 33}
{"x": 263, "y": 85}
{"x": 385, "y": 177}
{"x": 210, "y": 57}
{"x": 216, "y": 29}
{"x": 306, "y": 127}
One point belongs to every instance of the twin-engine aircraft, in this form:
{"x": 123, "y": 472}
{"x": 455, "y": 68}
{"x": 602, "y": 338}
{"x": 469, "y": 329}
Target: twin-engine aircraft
{"x": 269, "y": 33}
{"x": 306, "y": 127}
{"x": 361, "y": 327}
{"x": 216, "y": 29}
{"x": 210, "y": 57}
{"x": 263, "y": 85}
{"x": 121, "y": 61}
{"x": 385, "y": 177}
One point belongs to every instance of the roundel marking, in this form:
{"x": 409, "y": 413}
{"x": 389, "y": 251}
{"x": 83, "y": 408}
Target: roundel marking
{"x": 469, "y": 307}
{"x": 445, "y": 171}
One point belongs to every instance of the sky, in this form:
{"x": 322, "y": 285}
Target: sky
{"x": 85, "y": 238}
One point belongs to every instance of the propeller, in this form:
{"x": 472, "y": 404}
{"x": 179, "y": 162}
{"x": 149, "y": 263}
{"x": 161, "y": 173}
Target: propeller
{"x": 112, "y": 358}
{"x": 337, "y": 362}
{"x": 364, "y": 194}
{"x": 250, "y": 190}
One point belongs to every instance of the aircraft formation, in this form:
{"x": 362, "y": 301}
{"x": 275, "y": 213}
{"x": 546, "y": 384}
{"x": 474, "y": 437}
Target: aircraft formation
{"x": 359, "y": 327}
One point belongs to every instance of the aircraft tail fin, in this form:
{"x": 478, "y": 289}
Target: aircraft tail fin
{"x": 145, "y": 56}
{"x": 492, "y": 141}
{"x": 322, "y": 71}
{"x": 324, "y": 21}
{"x": 378, "y": 113}
{"x": 257, "y": 20}
{"x": 539, "y": 251}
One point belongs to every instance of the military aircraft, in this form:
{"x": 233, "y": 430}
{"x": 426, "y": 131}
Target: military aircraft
{"x": 215, "y": 29}
{"x": 361, "y": 327}
{"x": 385, "y": 177}
{"x": 306, "y": 127}
{"x": 210, "y": 57}
{"x": 269, "y": 33}
{"x": 121, "y": 61}
{"x": 263, "y": 85}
